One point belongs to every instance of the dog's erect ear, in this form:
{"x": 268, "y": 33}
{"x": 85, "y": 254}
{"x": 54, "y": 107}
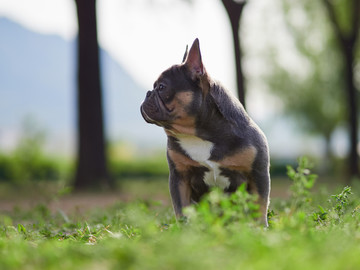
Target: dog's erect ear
{"x": 193, "y": 60}
{"x": 185, "y": 54}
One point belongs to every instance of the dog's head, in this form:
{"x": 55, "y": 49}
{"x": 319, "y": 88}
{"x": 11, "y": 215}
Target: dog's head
{"x": 177, "y": 94}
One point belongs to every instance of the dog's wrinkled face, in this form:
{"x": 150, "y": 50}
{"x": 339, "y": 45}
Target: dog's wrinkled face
{"x": 176, "y": 97}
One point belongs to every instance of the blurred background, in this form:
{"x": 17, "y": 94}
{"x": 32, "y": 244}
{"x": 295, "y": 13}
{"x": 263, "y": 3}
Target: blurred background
{"x": 298, "y": 62}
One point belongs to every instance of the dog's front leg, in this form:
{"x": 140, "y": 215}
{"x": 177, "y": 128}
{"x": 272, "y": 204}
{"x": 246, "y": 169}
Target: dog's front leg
{"x": 180, "y": 192}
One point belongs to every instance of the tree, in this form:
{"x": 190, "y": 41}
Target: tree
{"x": 313, "y": 93}
{"x": 91, "y": 170}
{"x": 234, "y": 10}
{"x": 344, "y": 16}
{"x": 310, "y": 93}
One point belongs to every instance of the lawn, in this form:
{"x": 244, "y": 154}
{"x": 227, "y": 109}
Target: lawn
{"x": 308, "y": 230}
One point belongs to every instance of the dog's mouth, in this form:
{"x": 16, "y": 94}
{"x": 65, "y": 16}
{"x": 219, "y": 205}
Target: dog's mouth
{"x": 154, "y": 110}
{"x": 146, "y": 116}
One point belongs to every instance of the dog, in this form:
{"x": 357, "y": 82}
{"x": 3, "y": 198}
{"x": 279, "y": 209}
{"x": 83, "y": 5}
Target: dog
{"x": 211, "y": 140}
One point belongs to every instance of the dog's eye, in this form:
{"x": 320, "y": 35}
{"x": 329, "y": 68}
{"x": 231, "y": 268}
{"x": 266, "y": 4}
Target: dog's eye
{"x": 161, "y": 87}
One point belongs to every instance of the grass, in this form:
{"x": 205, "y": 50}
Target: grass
{"x": 307, "y": 231}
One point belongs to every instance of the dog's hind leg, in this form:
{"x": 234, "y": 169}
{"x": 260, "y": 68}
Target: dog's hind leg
{"x": 260, "y": 185}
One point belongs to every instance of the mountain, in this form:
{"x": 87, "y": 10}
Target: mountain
{"x": 38, "y": 78}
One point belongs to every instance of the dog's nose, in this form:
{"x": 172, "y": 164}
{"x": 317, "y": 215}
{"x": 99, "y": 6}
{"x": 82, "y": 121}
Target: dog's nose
{"x": 148, "y": 94}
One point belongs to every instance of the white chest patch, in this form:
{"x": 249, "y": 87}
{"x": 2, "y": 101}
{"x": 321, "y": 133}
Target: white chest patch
{"x": 200, "y": 151}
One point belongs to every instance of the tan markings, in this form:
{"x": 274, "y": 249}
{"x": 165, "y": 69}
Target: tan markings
{"x": 241, "y": 161}
{"x": 184, "y": 128}
{"x": 183, "y": 123}
{"x": 205, "y": 84}
{"x": 185, "y": 193}
{"x": 180, "y": 101}
{"x": 177, "y": 130}
{"x": 264, "y": 203}
{"x": 182, "y": 163}
{"x": 185, "y": 98}
{"x": 251, "y": 187}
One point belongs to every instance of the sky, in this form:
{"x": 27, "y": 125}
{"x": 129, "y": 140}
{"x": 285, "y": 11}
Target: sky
{"x": 148, "y": 36}
{"x": 145, "y": 36}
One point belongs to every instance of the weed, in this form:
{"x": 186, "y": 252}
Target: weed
{"x": 302, "y": 182}
{"x": 222, "y": 210}
{"x": 341, "y": 201}
{"x": 339, "y": 210}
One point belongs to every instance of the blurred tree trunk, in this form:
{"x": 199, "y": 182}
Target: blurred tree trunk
{"x": 347, "y": 43}
{"x": 91, "y": 170}
{"x": 234, "y": 10}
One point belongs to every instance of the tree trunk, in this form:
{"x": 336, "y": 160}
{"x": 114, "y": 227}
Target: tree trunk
{"x": 347, "y": 42}
{"x": 352, "y": 113}
{"x": 326, "y": 166}
{"x": 91, "y": 170}
{"x": 234, "y": 10}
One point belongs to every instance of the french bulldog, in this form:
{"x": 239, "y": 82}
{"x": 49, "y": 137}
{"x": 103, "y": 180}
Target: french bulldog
{"x": 211, "y": 140}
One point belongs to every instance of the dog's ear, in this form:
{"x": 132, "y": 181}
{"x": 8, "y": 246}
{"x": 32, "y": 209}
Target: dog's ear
{"x": 193, "y": 61}
{"x": 185, "y": 54}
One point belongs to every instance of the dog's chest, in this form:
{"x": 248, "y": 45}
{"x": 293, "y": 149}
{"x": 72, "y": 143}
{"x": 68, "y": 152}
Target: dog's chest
{"x": 200, "y": 151}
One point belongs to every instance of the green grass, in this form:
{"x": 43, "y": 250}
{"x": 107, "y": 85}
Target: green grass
{"x": 307, "y": 231}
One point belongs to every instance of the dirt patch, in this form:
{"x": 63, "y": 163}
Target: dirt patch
{"x": 83, "y": 202}
{"x": 78, "y": 202}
